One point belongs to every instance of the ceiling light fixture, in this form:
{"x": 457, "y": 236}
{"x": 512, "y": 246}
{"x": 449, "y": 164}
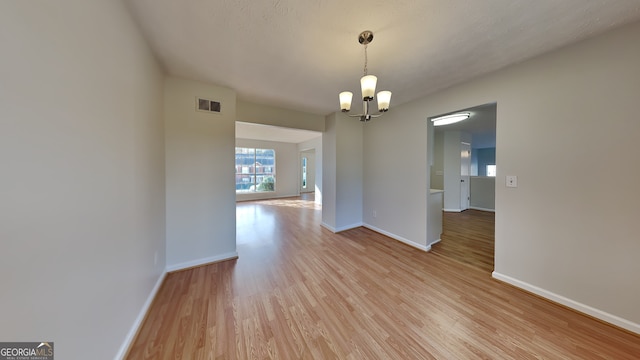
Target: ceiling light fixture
{"x": 450, "y": 119}
{"x": 368, "y": 85}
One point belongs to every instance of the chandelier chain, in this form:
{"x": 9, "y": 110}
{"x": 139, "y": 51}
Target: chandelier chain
{"x": 365, "y": 60}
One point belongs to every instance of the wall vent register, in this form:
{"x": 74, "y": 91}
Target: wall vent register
{"x": 207, "y": 105}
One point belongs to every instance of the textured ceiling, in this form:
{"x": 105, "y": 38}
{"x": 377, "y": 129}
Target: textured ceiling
{"x": 301, "y": 54}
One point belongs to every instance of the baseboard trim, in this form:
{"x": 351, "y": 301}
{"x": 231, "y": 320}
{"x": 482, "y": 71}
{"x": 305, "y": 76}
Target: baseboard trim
{"x": 435, "y": 242}
{"x": 451, "y": 210}
{"x": 398, "y": 238}
{"x": 133, "y": 332}
{"x": 342, "y": 228}
{"x": 482, "y": 209}
{"x": 585, "y": 309}
{"x": 267, "y": 197}
{"x": 204, "y": 261}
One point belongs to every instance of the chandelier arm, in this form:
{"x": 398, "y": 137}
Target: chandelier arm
{"x": 370, "y": 115}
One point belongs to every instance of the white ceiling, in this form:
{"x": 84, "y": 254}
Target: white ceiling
{"x": 300, "y": 54}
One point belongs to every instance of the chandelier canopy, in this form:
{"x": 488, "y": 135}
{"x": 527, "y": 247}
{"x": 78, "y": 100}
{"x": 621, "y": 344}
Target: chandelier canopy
{"x": 368, "y": 87}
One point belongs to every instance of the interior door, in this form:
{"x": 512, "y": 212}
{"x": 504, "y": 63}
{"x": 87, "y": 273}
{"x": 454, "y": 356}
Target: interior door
{"x": 465, "y": 172}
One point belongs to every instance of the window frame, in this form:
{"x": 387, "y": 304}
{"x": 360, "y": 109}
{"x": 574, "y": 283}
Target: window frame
{"x": 254, "y": 173}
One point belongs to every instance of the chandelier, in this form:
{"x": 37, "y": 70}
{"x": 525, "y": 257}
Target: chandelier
{"x": 368, "y": 85}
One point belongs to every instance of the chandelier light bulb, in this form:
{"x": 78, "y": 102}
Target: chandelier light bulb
{"x": 345, "y": 100}
{"x": 384, "y": 99}
{"x": 368, "y": 83}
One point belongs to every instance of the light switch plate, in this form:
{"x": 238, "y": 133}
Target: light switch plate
{"x": 512, "y": 181}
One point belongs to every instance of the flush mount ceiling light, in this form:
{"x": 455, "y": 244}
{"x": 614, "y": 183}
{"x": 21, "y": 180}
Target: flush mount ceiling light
{"x": 450, "y": 119}
{"x": 368, "y": 85}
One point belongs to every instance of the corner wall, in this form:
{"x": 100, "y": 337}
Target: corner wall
{"x": 342, "y": 173}
{"x": 200, "y": 153}
{"x": 82, "y": 187}
{"x": 395, "y": 169}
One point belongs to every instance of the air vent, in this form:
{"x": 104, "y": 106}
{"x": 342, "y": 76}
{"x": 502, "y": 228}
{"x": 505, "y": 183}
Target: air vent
{"x": 206, "y": 105}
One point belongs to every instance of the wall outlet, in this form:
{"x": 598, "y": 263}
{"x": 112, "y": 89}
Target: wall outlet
{"x": 375, "y": 213}
{"x": 512, "y": 181}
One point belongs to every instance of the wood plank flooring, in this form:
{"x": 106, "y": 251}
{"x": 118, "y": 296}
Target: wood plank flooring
{"x": 468, "y": 237}
{"x": 298, "y": 291}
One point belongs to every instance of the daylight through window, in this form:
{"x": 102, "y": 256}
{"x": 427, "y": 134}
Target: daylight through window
{"x": 255, "y": 170}
{"x": 491, "y": 170}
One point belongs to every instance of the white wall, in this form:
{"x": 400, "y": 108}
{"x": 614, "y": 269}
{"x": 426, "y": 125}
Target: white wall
{"x": 286, "y": 169}
{"x": 82, "y": 180}
{"x": 395, "y": 167}
{"x": 482, "y": 193}
{"x": 329, "y": 168}
{"x": 342, "y": 177}
{"x": 437, "y": 169}
{"x": 276, "y": 116}
{"x": 567, "y": 232}
{"x": 200, "y": 153}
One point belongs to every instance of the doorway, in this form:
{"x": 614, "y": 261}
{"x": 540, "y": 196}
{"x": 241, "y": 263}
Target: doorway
{"x": 456, "y": 152}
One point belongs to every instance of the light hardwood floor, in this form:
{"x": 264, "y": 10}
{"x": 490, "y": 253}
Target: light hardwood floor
{"x": 468, "y": 237}
{"x": 298, "y": 291}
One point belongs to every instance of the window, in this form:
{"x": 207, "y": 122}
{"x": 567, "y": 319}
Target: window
{"x": 255, "y": 170}
{"x": 491, "y": 170}
{"x": 304, "y": 172}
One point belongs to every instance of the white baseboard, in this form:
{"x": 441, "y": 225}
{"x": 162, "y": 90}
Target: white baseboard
{"x": 435, "y": 242}
{"x": 141, "y": 315}
{"x": 328, "y": 227}
{"x": 451, "y": 210}
{"x": 203, "y": 261}
{"x": 342, "y": 228}
{"x": 586, "y": 309}
{"x": 482, "y": 209}
{"x": 249, "y": 197}
{"x": 399, "y": 238}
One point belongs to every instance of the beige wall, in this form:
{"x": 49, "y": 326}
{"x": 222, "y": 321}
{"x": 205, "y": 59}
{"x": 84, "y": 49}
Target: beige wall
{"x": 342, "y": 162}
{"x": 270, "y": 115}
{"x": 200, "y": 187}
{"x": 82, "y": 179}
{"x": 567, "y": 127}
{"x": 482, "y": 193}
